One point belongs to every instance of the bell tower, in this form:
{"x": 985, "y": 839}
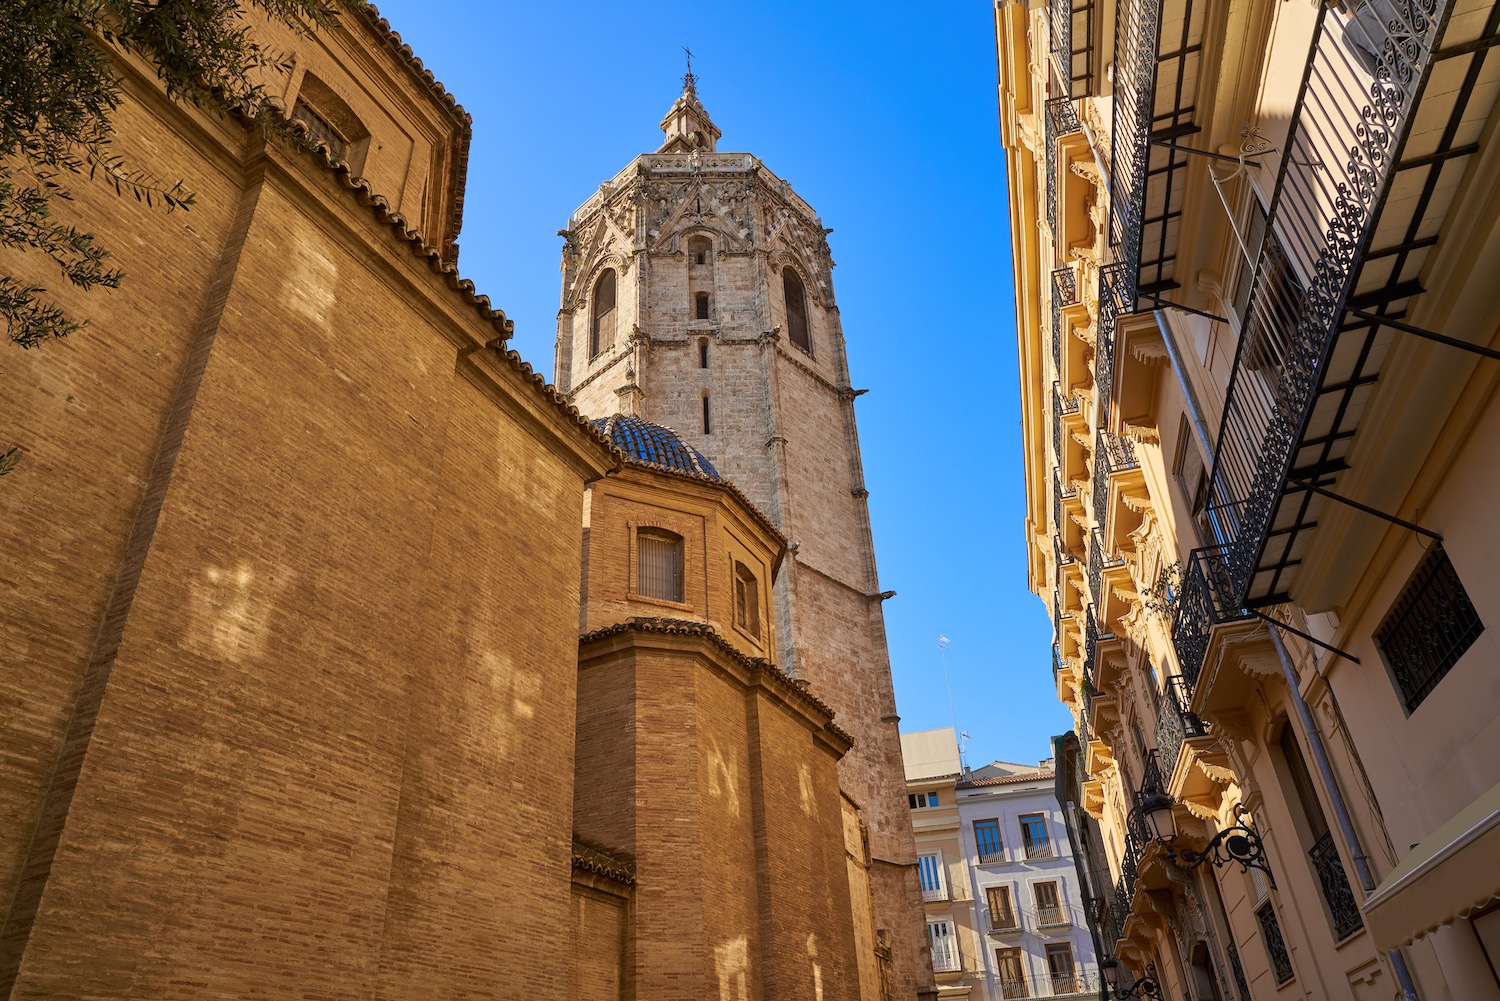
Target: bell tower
{"x": 697, "y": 293}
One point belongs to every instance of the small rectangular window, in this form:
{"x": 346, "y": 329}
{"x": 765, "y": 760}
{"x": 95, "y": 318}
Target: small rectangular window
{"x": 1428, "y": 629}
{"x": 987, "y": 838}
{"x": 659, "y": 564}
{"x": 917, "y": 800}
{"x": 930, "y": 871}
{"x": 702, "y": 305}
{"x": 746, "y": 600}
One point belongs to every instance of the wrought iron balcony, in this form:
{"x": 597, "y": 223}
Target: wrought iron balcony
{"x": 1100, "y": 561}
{"x": 1339, "y": 257}
{"x": 1114, "y": 301}
{"x": 1062, "y": 406}
{"x": 1112, "y": 454}
{"x": 1204, "y": 600}
{"x": 1334, "y": 882}
{"x": 1175, "y": 722}
{"x": 1053, "y": 917}
{"x": 1071, "y": 31}
{"x": 1064, "y": 293}
{"x": 1062, "y": 120}
{"x": 1158, "y": 56}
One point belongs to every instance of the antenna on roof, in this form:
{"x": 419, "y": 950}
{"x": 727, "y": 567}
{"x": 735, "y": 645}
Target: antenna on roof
{"x": 942, "y": 645}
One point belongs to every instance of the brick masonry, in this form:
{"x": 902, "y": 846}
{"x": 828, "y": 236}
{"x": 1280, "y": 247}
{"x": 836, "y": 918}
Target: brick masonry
{"x": 780, "y": 425}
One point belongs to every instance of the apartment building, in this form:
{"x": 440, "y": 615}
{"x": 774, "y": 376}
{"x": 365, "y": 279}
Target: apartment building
{"x": 1004, "y": 912}
{"x": 1253, "y": 248}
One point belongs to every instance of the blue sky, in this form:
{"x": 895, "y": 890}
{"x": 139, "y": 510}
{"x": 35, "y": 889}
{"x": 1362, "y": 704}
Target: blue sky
{"x": 883, "y": 116}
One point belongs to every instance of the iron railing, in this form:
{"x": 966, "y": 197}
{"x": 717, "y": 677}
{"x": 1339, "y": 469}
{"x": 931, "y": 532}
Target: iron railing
{"x": 1240, "y": 986}
{"x": 1100, "y": 561}
{"x": 1175, "y": 722}
{"x": 1114, "y": 301}
{"x": 1203, "y": 602}
{"x": 1334, "y": 882}
{"x": 1053, "y": 917}
{"x": 1350, "y": 121}
{"x": 1071, "y": 32}
{"x": 1270, "y": 934}
{"x": 1062, "y": 120}
{"x": 1039, "y": 985}
{"x": 1112, "y": 454}
{"x": 1062, "y": 406}
{"x": 1064, "y": 293}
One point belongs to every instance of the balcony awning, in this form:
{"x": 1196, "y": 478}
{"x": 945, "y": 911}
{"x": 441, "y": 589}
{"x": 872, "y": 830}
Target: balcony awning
{"x": 1451, "y": 874}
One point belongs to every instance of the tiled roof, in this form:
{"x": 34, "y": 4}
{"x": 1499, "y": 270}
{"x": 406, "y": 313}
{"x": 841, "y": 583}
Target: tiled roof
{"x": 654, "y": 445}
{"x": 1006, "y": 780}
{"x": 601, "y": 862}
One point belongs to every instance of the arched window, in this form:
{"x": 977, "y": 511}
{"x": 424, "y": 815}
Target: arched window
{"x": 703, "y": 353}
{"x": 701, "y": 302}
{"x": 658, "y": 571}
{"x": 700, "y": 251}
{"x": 796, "y": 310}
{"x": 603, "y": 332}
{"x": 707, "y": 428}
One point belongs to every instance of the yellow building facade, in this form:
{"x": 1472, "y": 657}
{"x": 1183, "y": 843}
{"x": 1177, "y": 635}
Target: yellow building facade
{"x": 1252, "y": 247}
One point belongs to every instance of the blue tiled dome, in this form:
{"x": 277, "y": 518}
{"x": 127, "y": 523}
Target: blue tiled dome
{"x": 653, "y": 443}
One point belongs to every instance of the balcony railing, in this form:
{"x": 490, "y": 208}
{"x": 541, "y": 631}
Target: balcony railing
{"x": 1100, "y": 561}
{"x": 1347, "y": 131}
{"x": 1114, "y": 301}
{"x": 1158, "y": 51}
{"x": 1334, "y": 882}
{"x": 949, "y": 963}
{"x": 1064, "y": 293}
{"x": 1062, "y": 120}
{"x": 1175, "y": 722}
{"x": 1072, "y": 36}
{"x": 1053, "y": 917}
{"x": 1204, "y": 600}
{"x": 1062, "y": 406}
{"x": 1043, "y": 850}
{"x": 938, "y": 895}
{"x": 1112, "y": 454}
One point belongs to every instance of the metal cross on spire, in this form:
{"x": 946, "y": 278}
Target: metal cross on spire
{"x": 689, "y": 82}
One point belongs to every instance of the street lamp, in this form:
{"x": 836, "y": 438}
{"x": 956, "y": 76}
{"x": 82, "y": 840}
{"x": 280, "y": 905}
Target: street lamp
{"x": 1146, "y": 987}
{"x": 1240, "y": 843}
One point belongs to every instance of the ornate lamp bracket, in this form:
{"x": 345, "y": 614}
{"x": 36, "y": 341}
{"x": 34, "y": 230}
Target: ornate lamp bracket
{"x": 1240, "y": 843}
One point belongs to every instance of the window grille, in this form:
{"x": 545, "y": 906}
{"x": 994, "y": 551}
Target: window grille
{"x": 702, "y": 302}
{"x": 321, "y": 129}
{"x": 659, "y": 565}
{"x": 1270, "y": 933}
{"x": 1428, "y": 629}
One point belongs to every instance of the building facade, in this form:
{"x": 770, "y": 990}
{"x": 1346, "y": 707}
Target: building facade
{"x": 1251, "y": 246}
{"x": 697, "y": 293}
{"x": 344, "y": 657}
{"x": 1004, "y": 914}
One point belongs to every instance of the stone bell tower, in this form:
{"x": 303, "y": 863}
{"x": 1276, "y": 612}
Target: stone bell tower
{"x": 697, "y": 293}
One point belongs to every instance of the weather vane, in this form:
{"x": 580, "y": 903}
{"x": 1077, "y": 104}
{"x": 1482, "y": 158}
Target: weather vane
{"x": 689, "y": 82}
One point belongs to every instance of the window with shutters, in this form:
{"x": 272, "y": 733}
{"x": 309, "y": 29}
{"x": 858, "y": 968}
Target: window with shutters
{"x": 930, "y": 871}
{"x": 746, "y": 600}
{"x": 944, "y": 947}
{"x": 602, "y": 333}
{"x": 659, "y": 564}
{"x": 796, "y": 310}
{"x": 1002, "y": 910}
{"x": 1009, "y": 966}
{"x": 1049, "y": 909}
{"x": 1061, "y": 969}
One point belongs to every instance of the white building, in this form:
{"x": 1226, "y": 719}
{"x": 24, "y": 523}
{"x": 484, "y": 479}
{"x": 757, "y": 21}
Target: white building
{"x": 1004, "y": 918}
